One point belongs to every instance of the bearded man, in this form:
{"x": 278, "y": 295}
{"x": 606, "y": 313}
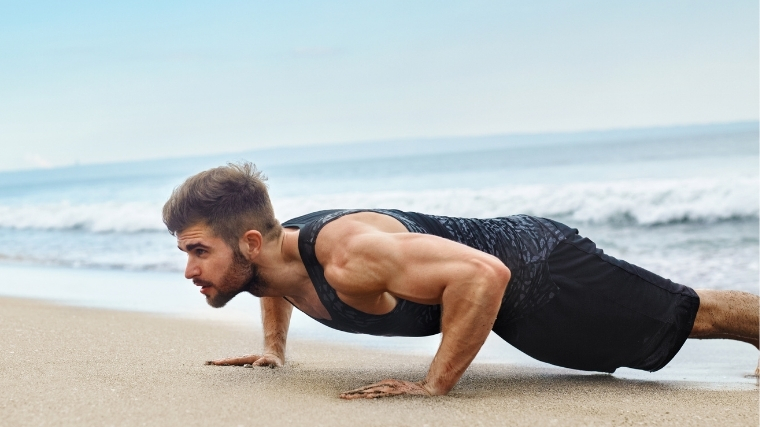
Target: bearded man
{"x": 535, "y": 282}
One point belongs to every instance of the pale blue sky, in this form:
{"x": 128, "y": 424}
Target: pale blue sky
{"x": 101, "y": 81}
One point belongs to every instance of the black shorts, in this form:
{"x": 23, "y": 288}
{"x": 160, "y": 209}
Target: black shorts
{"x": 607, "y": 313}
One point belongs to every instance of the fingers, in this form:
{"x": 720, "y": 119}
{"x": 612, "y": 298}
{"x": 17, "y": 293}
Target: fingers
{"x": 249, "y": 361}
{"x": 385, "y": 388}
{"x": 270, "y": 361}
{"x": 235, "y": 361}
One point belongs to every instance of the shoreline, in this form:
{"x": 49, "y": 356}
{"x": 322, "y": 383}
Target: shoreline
{"x": 68, "y": 365}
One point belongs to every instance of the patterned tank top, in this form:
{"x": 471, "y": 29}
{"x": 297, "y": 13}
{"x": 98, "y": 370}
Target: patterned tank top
{"x": 521, "y": 242}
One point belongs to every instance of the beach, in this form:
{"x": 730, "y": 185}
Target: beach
{"x": 99, "y": 326}
{"x": 589, "y": 157}
{"x": 64, "y": 365}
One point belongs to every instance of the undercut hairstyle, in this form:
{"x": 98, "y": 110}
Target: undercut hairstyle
{"x": 229, "y": 199}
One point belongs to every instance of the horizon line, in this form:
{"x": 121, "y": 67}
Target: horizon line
{"x": 421, "y": 139}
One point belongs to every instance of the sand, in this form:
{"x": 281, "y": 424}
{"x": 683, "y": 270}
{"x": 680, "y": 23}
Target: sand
{"x": 75, "y": 366}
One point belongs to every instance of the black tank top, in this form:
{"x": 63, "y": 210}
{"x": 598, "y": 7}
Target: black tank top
{"x": 521, "y": 242}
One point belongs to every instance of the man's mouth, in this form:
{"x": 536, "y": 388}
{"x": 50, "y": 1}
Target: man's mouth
{"x": 205, "y": 286}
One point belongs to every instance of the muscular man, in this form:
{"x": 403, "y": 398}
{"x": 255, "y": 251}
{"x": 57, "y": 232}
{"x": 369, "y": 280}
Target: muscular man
{"x": 535, "y": 282}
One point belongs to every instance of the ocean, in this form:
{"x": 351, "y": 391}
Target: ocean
{"x": 680, "y": 201}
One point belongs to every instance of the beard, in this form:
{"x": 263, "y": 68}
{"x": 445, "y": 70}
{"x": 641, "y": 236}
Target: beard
{"x": 241, "y": 276}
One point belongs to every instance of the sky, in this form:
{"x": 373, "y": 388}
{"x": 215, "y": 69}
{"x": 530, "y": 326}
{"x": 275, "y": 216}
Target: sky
{"x": 91, "y": 81}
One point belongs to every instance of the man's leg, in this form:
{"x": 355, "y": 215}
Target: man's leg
{"x": 728, "y": 314}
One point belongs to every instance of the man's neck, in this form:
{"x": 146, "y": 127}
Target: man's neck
{"x": 280, "y": 266}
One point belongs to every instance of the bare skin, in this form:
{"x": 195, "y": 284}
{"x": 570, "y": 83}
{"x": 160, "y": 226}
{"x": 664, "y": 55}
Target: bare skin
{"x": 729, "y": 315}
{"x": 740, "y": 323}
{"x": 275, "y": 316}
{"x": 371, "y": 260}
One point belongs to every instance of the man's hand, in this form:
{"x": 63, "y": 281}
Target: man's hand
{"x": 275, "y": 316}
{"x": 267, "y": 359}
{"x": 386, "y": 388}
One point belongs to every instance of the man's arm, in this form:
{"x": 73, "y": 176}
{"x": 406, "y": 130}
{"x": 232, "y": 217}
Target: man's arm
{"x": 468, "y": 315}
{"x": 469, "y": 285}
{"x": 275, "y": 318}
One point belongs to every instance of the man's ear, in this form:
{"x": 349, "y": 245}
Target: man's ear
{"x": 251, "y": 244}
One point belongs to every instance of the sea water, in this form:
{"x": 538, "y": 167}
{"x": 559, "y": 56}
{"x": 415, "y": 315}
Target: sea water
{"x": 682, "y": 202}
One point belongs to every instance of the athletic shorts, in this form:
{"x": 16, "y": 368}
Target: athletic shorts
{"x": 607, "y": 313}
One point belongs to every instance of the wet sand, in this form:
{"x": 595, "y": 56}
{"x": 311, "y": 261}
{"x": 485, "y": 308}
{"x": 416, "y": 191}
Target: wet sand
{"x": 77, "y": 366}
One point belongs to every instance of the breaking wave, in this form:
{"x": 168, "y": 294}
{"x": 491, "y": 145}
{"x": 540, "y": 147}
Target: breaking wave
{"x": 632, "y": 202}
{"x": 627, "y": 202}
{"x": 125, "y": 217}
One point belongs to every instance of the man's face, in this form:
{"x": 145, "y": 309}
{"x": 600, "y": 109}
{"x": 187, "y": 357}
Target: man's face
{"x": 220, "y": 271}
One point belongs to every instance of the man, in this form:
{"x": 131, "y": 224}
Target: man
{"x": 535, "y": 282}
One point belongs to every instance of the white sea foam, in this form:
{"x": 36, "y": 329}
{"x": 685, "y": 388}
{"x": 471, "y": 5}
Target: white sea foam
{"x": 640, "y": 202}
{"x": 637, "y": 202}
{"x": 126, "y": 217}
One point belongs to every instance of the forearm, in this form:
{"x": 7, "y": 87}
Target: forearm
{"x": 275, "y": 318}
{"x": 465, "y": 324}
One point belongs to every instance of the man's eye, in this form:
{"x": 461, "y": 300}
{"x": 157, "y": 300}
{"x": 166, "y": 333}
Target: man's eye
{"x": 199, "y": 252}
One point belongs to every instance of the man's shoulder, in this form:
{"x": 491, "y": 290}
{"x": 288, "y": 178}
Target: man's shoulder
{"x": 301, "y": 221}
{"x": 354, "y": 235}
{"x": 362, "y": 222}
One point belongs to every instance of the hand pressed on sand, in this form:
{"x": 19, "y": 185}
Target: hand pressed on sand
{"x": 386, "y": 388}
{"x": 266, "y": 359}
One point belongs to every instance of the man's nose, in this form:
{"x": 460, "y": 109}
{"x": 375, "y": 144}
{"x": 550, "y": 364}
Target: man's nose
{"x": 192, "y": 269}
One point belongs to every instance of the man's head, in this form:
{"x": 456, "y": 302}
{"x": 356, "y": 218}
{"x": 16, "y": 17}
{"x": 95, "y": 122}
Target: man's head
{"x": 230, "y": 199}
{"x": 213, "y": 215}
